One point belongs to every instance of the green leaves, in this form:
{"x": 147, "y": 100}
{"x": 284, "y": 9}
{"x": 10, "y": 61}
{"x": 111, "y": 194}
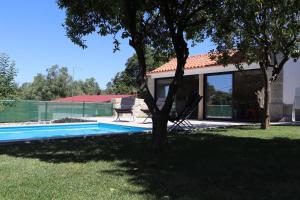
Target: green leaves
{"x": 258, "y": 28}
{"x": 125, "y": 82}
{"x": 57, "y": 83}
{"x": 8, "y": 86}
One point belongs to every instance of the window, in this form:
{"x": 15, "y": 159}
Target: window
{"x": 162, "y": 88}
{"x": 218, "y": 96}
{"x": 188, "y": 87}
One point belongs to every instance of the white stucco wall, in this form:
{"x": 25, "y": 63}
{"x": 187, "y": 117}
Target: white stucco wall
{"x": 204, "y": 70}
{"x": 291, "y": 80}
{"x": 151, "y": 85}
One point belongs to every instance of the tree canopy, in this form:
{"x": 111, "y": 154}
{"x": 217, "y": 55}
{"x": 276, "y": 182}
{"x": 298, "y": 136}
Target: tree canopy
{"x": 8, "y": 86}
{"x": 260, "y": 30}
{"x": 125, "y": 82}
{"x": 57, "y": 83}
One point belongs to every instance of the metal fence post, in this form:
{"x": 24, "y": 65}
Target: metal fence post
{"x": 46, "y": 110}
{"x": 83, "y": 108}
{"x": 111, "y": 109}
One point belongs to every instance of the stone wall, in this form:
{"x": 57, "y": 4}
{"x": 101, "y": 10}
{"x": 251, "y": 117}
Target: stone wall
{"x": 139, "y": 104}
{"x": 287, "y": 112}
{"x": 151, "y": 85}
{"x": 279, "y": 111}
{"x": 276, "y": 104}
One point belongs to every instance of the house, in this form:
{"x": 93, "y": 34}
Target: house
{"x": 228, "y": 94}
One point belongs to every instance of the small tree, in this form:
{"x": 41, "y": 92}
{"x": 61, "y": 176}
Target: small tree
{"x": 91, "y": 87}
{"x": 263, "y": 31}
{"x": 8, "y": 87}
{"x": 162, "y": 25}
{"x": 125, "y": 82}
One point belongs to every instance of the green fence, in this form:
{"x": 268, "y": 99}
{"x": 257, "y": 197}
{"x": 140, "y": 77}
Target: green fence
{"x": 219, "y": 111}
{"x": 30, "y": 111}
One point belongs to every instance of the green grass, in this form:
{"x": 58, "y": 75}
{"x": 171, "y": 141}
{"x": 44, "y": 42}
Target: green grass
{"x": 288, "y": 132}
{"x": 236, "y": 163}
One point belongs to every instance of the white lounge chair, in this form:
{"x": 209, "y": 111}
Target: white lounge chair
{"x": 126, "y": 107}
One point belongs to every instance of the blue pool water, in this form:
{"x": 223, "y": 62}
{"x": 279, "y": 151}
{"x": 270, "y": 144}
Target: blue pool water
{"x": 21, "y": 133}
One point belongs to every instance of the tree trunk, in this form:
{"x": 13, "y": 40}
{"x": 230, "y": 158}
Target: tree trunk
{"x": 265, "y": 121}
{"x": 160, "y": 117}
{"x": 159, "y": 132}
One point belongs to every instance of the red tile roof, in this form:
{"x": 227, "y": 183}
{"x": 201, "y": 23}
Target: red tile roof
{"x": 197, "y": 61}
{"x": 91, "y": 98}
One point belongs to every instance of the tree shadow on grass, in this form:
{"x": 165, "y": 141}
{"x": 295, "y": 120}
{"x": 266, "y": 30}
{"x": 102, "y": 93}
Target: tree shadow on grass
{"x": 197, "y": 166}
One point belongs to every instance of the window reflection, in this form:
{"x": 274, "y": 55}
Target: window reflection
{"x": 218, "y": 96}
{"x": 186, "y": 90}
{"x": 162, "y": 88}
{"x": 245, "y": 105}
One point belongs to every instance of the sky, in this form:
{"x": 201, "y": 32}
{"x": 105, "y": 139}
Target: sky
{"x": 32, "y": 35}
{"x": 221, "y": 82}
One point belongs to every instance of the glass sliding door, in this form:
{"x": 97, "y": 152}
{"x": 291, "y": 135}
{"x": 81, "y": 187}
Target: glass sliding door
{"x": 186, "y": 91}
{"x": 218, "y": 96}
{"x": 245, "y": 105}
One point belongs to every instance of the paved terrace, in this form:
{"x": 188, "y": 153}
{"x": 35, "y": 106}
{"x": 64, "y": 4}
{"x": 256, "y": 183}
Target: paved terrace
{"x": 138, "y": 122}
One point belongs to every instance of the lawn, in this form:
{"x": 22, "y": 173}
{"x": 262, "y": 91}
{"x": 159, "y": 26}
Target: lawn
{"x": 236, "y": 163}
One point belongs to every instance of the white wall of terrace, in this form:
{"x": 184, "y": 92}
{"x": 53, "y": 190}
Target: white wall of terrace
{"x": 203, "y": 70}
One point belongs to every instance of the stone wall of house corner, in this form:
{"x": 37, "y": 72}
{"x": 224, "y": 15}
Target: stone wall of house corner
{"x": 276, "y": 101}
{"x": 151, "y": 85}
{"x": 291, "y": 81}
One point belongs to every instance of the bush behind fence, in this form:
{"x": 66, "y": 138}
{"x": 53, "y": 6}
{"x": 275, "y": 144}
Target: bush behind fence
{"x": 31, "y": 111}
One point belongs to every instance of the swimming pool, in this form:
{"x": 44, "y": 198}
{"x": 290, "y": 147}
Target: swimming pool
{"x": 38, "y": 132}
